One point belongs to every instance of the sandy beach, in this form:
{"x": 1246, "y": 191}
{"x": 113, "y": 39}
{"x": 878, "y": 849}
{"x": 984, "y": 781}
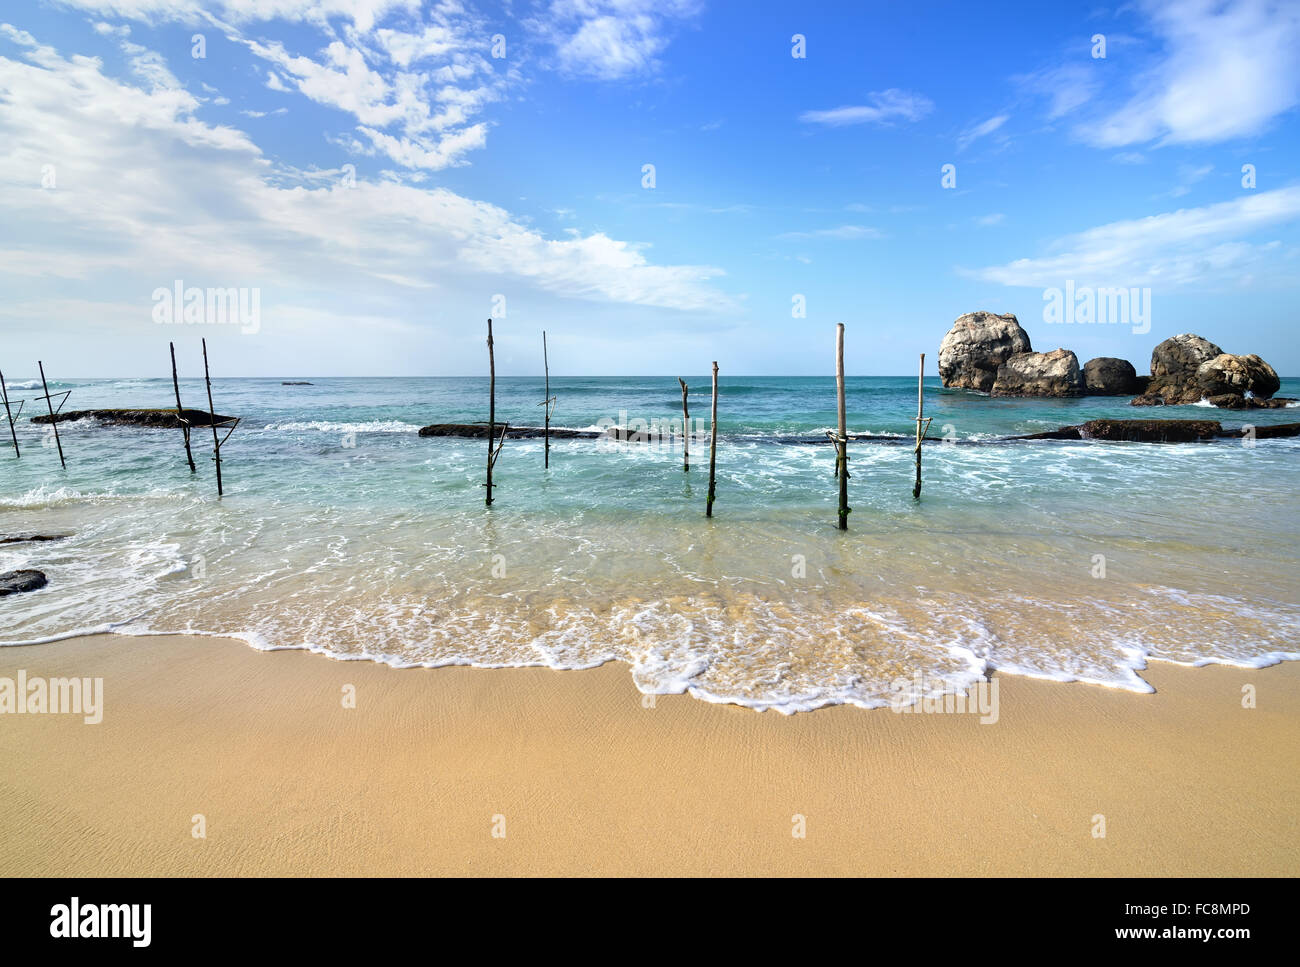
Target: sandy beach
{"x": 583, "y": 778}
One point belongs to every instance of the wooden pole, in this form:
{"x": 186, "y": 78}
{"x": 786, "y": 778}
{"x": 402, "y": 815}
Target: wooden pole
{"x": 180, "y": 411}
{"x": 9, "y": 413}
{"x": 920, "y": 416}
{"x": 212, "y": 417}
{"x": 686, "y": 430}
{"x": 492, "y": 411}
{"x": 546, "y": 407}
{"x": 713, "y": 444}
{"x": 53, "y": 419}
{"x": 842, "y": 441}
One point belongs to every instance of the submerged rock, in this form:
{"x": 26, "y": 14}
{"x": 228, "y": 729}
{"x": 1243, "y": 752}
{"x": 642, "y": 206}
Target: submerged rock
{"x": 1039, "y": 374}
{"x": 1158, "y": 431}
{"x": 162, "y": 419}
{"x": 479, "y": 431}
{"x": 32, "y": 538}
{"x": 16, "y": 582}
{"x": 976, "y": 345}
{"x": 1151, "y": 431}
{"x": 1110, "y": 376}
{"x": 1274, "y": 431}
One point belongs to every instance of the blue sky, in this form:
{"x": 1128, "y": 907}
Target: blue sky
{"x": 127, "y": 163}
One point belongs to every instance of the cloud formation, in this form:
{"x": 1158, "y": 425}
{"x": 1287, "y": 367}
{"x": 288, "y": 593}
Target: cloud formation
{"x": 882, "y": 108}
{"x": 1190, "y": 245}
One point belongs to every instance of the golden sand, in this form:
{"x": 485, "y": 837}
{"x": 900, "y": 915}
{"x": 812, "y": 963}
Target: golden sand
{"x": 583, "y": 778}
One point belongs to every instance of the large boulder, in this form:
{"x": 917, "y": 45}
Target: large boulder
{"x": 1174, "y": 364}
{"x": 1227, "y": 373}
{"x": 1179, "y": 357}
{"x": 1108, "y": 376}
{"x": 1039, "y": 374}
{"x": 1188, "y": 369}
{"x": 976, "y": 345}
{"x": 15, "y": 582}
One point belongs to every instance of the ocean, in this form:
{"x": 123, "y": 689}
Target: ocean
{"x": 344, "y": 532}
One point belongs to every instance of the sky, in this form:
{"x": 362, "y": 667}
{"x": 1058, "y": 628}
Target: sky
{"x": 655, "y": 183}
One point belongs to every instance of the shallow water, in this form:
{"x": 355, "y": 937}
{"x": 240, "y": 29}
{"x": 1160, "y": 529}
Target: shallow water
{"x": 344, "y": 532}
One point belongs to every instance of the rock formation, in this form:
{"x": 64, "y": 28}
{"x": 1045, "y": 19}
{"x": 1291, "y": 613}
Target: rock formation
{"x": 1227, "y": 373}
{"x": 1187, "y": 369}
{"x": 1109, "y": 376}
{"x": 1039, "y": 374}
{"x": 976, "y": 346}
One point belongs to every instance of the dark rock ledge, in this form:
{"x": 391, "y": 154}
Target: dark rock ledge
{"x": 1158, "y": 431}
{"x": 161, "y": 419}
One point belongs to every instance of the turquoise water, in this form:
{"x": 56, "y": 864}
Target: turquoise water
{"x": 344, "y": 532}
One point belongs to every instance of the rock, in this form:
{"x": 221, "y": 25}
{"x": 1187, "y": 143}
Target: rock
{"x": 479, "y": 431}
{"x": 1274, "y": 431}
{"x": 1239, "y": 375}
{"x": 1147, "y": 399}
{"x": 976, "y": 345}
{"x": 1174, "y": 364}
{"x": 1231, "y": 401}
{"x": 1157, "y": 431}
{"x": 16, "y": 582}
{"x": 297, "y": 382}
{"x": 1187, "y": 369}
{"x": 1151, "y": 431}
{"x": 1109, "y": 376}
{"x": 1179, "y": 357}
{"x": 162, "y": 419}
{"x": 1039, "y": 374}
{"x": 32, "y": 538}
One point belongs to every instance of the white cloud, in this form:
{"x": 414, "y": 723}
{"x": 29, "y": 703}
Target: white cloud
{"x": 1226, "y": 70}
{"x": 363, "y": 14}
{"x": 1189, "y": 175}
{"x": 843, "y": 233}
{"x": 413, "y": 85}
{"x": 1066, "y": 88}
{"x": 418, "y": 118}
{"x": 146, "y": 192}
{"x": 883, "y": 107}
{"x": 610, "y": 39}
{"x": 980, "y": 130}
{"x": 1175, "y": 248}
{"x": 996, "y": 218}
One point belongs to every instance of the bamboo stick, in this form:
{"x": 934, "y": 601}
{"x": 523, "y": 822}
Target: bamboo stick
{"x": 9, "y": 413}
{"x": 713, "y": 445}
{"x": 920, "y": 416}
{"x": 492, "y": 412}
{"x": 546, "y": 406}
{"x": 842, "y": 441}
{"x": 686, "y": 430}
{"x": 212, "y": 418}
{"x": 180, "y": 411}
{"x": 53, "y": 420}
